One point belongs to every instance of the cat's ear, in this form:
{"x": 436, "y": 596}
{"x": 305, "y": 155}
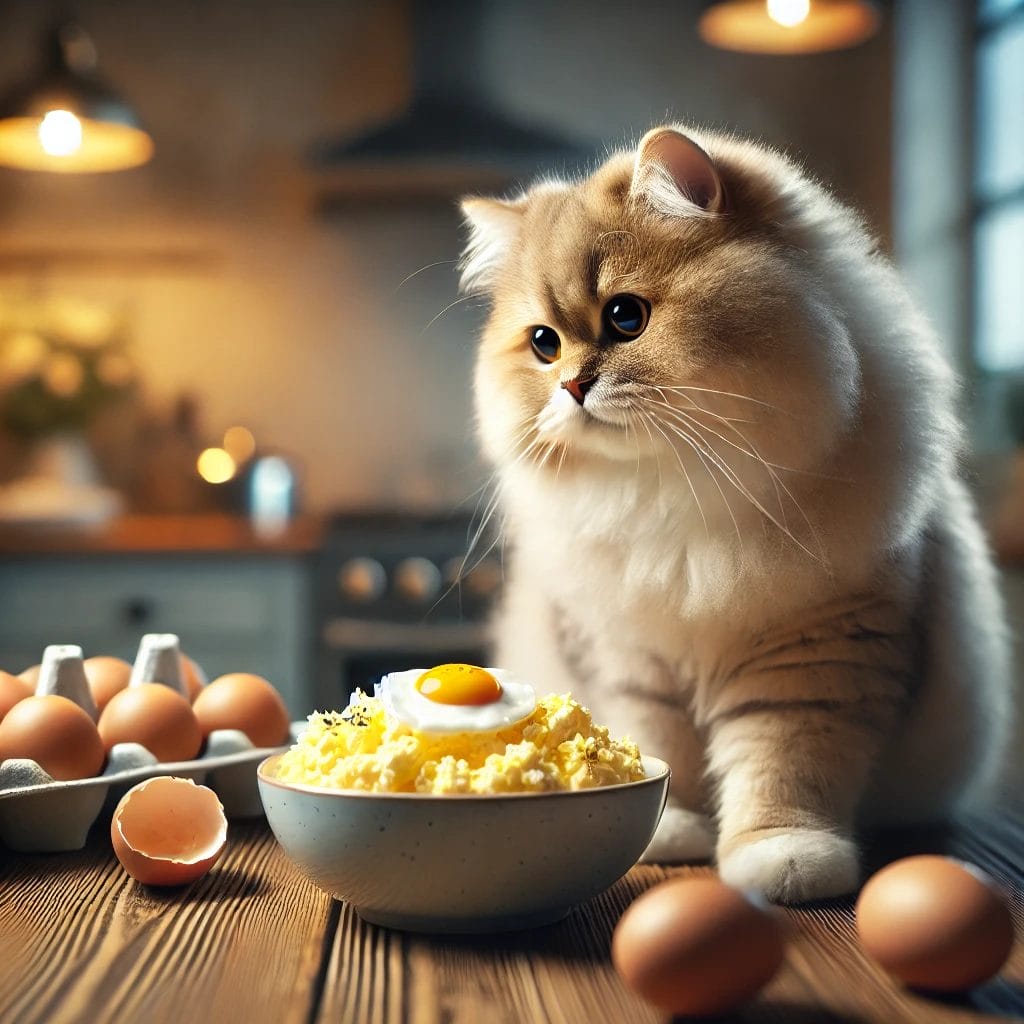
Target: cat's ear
{"x": 676, "y": 175}
{"x": 493, "y": 226}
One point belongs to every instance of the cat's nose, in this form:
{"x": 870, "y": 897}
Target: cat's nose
{"x": 579, "y": 386}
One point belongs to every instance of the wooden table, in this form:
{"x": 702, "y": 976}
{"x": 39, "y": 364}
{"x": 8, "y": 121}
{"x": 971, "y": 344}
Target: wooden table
{"x": 255, "y": 942}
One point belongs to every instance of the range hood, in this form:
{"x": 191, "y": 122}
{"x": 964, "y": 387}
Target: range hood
{"x": 452, "y": 137}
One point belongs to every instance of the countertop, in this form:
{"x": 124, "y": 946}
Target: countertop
{"x": 253, "y": 941}
{"x": 222, "y": 533}
{"x": 163, "y": 535}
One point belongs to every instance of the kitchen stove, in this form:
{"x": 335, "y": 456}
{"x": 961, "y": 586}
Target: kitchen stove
{"x": 393, "y": 592}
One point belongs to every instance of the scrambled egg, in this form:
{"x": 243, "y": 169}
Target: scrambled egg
{"x": 557, "y": 747}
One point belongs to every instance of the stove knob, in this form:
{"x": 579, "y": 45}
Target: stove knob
{"x": 417, "y": 579}
{"x": 485, "y": 578}
{"x": 481, "y": 578}
{"x": 362, "y": 579}
{"x": 453, "y": 569}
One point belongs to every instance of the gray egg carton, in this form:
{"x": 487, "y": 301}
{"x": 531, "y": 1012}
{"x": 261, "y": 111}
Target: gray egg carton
{"x": 39, "y": 814}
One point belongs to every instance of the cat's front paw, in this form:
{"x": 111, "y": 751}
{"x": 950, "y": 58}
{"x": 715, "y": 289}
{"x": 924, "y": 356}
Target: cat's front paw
{"x": 682, "y": 837}
{"x": 791, "y": 866}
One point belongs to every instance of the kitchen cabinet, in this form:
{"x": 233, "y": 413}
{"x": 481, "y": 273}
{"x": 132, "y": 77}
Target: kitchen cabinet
{"x": 235, "y": 607}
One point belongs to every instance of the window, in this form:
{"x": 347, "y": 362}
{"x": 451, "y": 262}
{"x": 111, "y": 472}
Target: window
{"x": 998, "y": 187}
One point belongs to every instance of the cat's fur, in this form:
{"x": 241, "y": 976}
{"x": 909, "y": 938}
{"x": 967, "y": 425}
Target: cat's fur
{"x": 748, "y": 547}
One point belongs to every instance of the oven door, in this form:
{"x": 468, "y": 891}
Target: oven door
{"x": 356, "y": 653}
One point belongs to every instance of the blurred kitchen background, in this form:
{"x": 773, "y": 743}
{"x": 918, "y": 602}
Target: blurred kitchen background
{"x": 234, "y": 377}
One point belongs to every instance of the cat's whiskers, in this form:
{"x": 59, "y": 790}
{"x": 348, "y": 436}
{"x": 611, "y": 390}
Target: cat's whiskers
{"x": 489, "y": 489}
{"x": 777, "y": 481}
{"x": 513, "y": 448}
{"x": 729, "y": 421}
{"x": 702, "y": 430}
{"x": 654, "y": 423}
{"x": 628, "y": 422}
{"x": 727, "y": 471}
{"x": 538, "y": 443}
{"x": 711, "y": 460}
{"x": 472, "y": 541}
{"x": 549, "y": 450}
{"x": 529, "y": 453}
{"x": 725, "y": 394}
{"x": 514, "y": 451}
{"x": 429, "y": 266}
{"x": 654, "y": 447}
{"x": 750, "y": 451}
{"x": 778, "y": 484}
{"x": 464, "y": 572}
{"x": 769, "y": 464}
{"x": 451, "y": 305}
{"x": 489, "y": 510}
{"x": 703, "y": 447}
{"x": 561, "y": 460}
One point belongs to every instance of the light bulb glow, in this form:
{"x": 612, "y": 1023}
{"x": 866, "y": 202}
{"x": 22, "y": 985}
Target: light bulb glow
{"x": 239, "y": 443}
{"x": 215, "y": 466}
{"x": 789, "y": 13}
{"x": 60, "y": 133}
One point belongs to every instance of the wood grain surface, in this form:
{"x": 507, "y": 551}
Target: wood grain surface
{"x": 83, "y": 942}
{"x": 254, "y": 941}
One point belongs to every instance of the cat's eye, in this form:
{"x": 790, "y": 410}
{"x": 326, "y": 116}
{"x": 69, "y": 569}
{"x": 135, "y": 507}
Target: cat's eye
{"x": 625, "y": 317}
{"x": 546, "y": 344}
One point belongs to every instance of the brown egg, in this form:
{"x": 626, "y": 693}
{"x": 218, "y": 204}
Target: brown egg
{"x": 157, "y": 717}
{"x": 245, "y": 702}
{"x": 697, "y": 946}
{"x": 55, "y": 733}
{"x": 31, "y": 676}
{"x": 12, "y": 690}
{"x": 168, "y": 831}
{"x": 935, "y": 923}
{"x": 193, "y": 676}
{"x": 106, "y": 676}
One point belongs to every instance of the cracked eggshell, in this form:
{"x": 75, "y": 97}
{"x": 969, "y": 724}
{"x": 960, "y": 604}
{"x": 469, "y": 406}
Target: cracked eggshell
{"x": 168, "y": 831}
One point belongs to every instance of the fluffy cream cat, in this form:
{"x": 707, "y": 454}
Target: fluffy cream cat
{"x": 726, "y": 450}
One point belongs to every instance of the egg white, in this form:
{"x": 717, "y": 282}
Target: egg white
{"x": 403, "y": 701}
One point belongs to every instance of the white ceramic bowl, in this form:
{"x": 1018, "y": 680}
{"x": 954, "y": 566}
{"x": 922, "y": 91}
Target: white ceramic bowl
{"x": 464, "y": 863}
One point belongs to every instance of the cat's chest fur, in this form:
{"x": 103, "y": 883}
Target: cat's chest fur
{"x": 629, "y": 578}
{"x": 621, "y": 565}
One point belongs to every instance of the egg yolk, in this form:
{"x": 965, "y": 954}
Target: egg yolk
{"x": 459, "y": 684}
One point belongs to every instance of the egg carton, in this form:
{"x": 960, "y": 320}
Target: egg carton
{"x": 39, "y": 814}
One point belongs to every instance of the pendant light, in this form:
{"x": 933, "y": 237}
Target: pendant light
{"x": 788, "y": 26}
{"x": 66, "y": 118}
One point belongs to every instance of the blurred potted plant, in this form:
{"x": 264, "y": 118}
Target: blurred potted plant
{"x": 62, "y": 361}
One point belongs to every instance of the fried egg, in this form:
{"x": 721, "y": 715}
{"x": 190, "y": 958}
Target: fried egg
{"x": 456, "y": 698}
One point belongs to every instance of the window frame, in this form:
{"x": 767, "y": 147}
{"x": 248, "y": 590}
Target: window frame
{"x": 999, "y": 393}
